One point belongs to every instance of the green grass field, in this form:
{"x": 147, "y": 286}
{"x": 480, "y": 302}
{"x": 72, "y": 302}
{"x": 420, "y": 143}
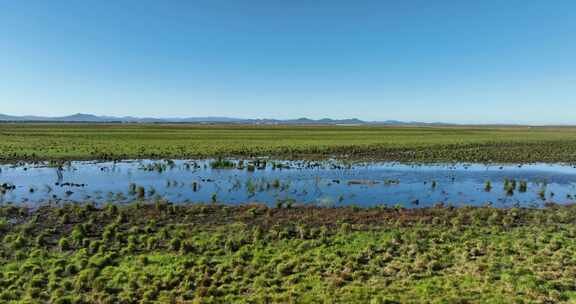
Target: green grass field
{"x": 116, "y": 141}
{"x": 163, "y": 253}
{"x": 157, "y": 252}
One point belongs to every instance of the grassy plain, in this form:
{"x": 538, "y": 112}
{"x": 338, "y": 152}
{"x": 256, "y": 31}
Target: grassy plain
{"x": 120, "y": 141}
{"x": 163, "y": 253}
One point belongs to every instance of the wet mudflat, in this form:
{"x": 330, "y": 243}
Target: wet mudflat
{"x": 319, "y": 183}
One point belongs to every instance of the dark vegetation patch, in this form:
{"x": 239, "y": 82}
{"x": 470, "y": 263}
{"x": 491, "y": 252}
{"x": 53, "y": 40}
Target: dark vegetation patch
{"x": 164, "y": 253}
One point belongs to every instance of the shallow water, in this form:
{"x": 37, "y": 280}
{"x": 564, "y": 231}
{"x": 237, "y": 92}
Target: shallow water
{"x": 326, "y": 183}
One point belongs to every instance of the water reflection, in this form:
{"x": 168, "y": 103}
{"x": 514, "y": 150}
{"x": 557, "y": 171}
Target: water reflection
{"x": 327, "y": 183}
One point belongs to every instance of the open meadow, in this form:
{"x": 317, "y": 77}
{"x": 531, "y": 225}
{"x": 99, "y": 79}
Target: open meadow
{"x": 283, "y": 214}
{"x": 429, "y": 144}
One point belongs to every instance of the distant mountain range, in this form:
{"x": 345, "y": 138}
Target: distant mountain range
{"x": 90, "y": 118}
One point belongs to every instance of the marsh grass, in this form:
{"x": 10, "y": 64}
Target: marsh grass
{"x": 60, "y": 143}
{"x": 488, "y": 186}
{"x": 222, "y": 164}
{"x": 164, "y": 253}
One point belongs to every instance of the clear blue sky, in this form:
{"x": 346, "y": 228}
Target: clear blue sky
{"x": 455, "y": 61}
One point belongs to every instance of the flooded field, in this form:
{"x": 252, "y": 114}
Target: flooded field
{"x": 326, "y": 183}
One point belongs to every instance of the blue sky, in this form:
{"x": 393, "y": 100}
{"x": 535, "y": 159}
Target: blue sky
{"x": 456, "y": 61}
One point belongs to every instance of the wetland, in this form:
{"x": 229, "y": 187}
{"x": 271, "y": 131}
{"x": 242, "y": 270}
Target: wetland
{"x": 276, "y": 214}
{"x": 328, "y": 183}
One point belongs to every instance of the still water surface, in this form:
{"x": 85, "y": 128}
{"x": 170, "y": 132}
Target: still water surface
{"x": 326, "y": 183}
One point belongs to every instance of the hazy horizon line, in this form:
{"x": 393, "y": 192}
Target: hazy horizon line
{"x": 224, "y": 116}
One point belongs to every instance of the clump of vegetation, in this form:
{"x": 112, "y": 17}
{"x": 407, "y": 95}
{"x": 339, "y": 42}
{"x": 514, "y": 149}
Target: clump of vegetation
{"x": 523, "y": 187}
{"x": 5, "y": 187}
{"x": 391, "y": 182}
{"x": 140, "y": 192}
{"x": 222, "y": 164}
{"x": 542, "y": 194}
{"x": 276, "y": 183}
{"x": 165, "y": 253}
{"x": 509, "y": 186}
{"x": 488, "y": 186}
